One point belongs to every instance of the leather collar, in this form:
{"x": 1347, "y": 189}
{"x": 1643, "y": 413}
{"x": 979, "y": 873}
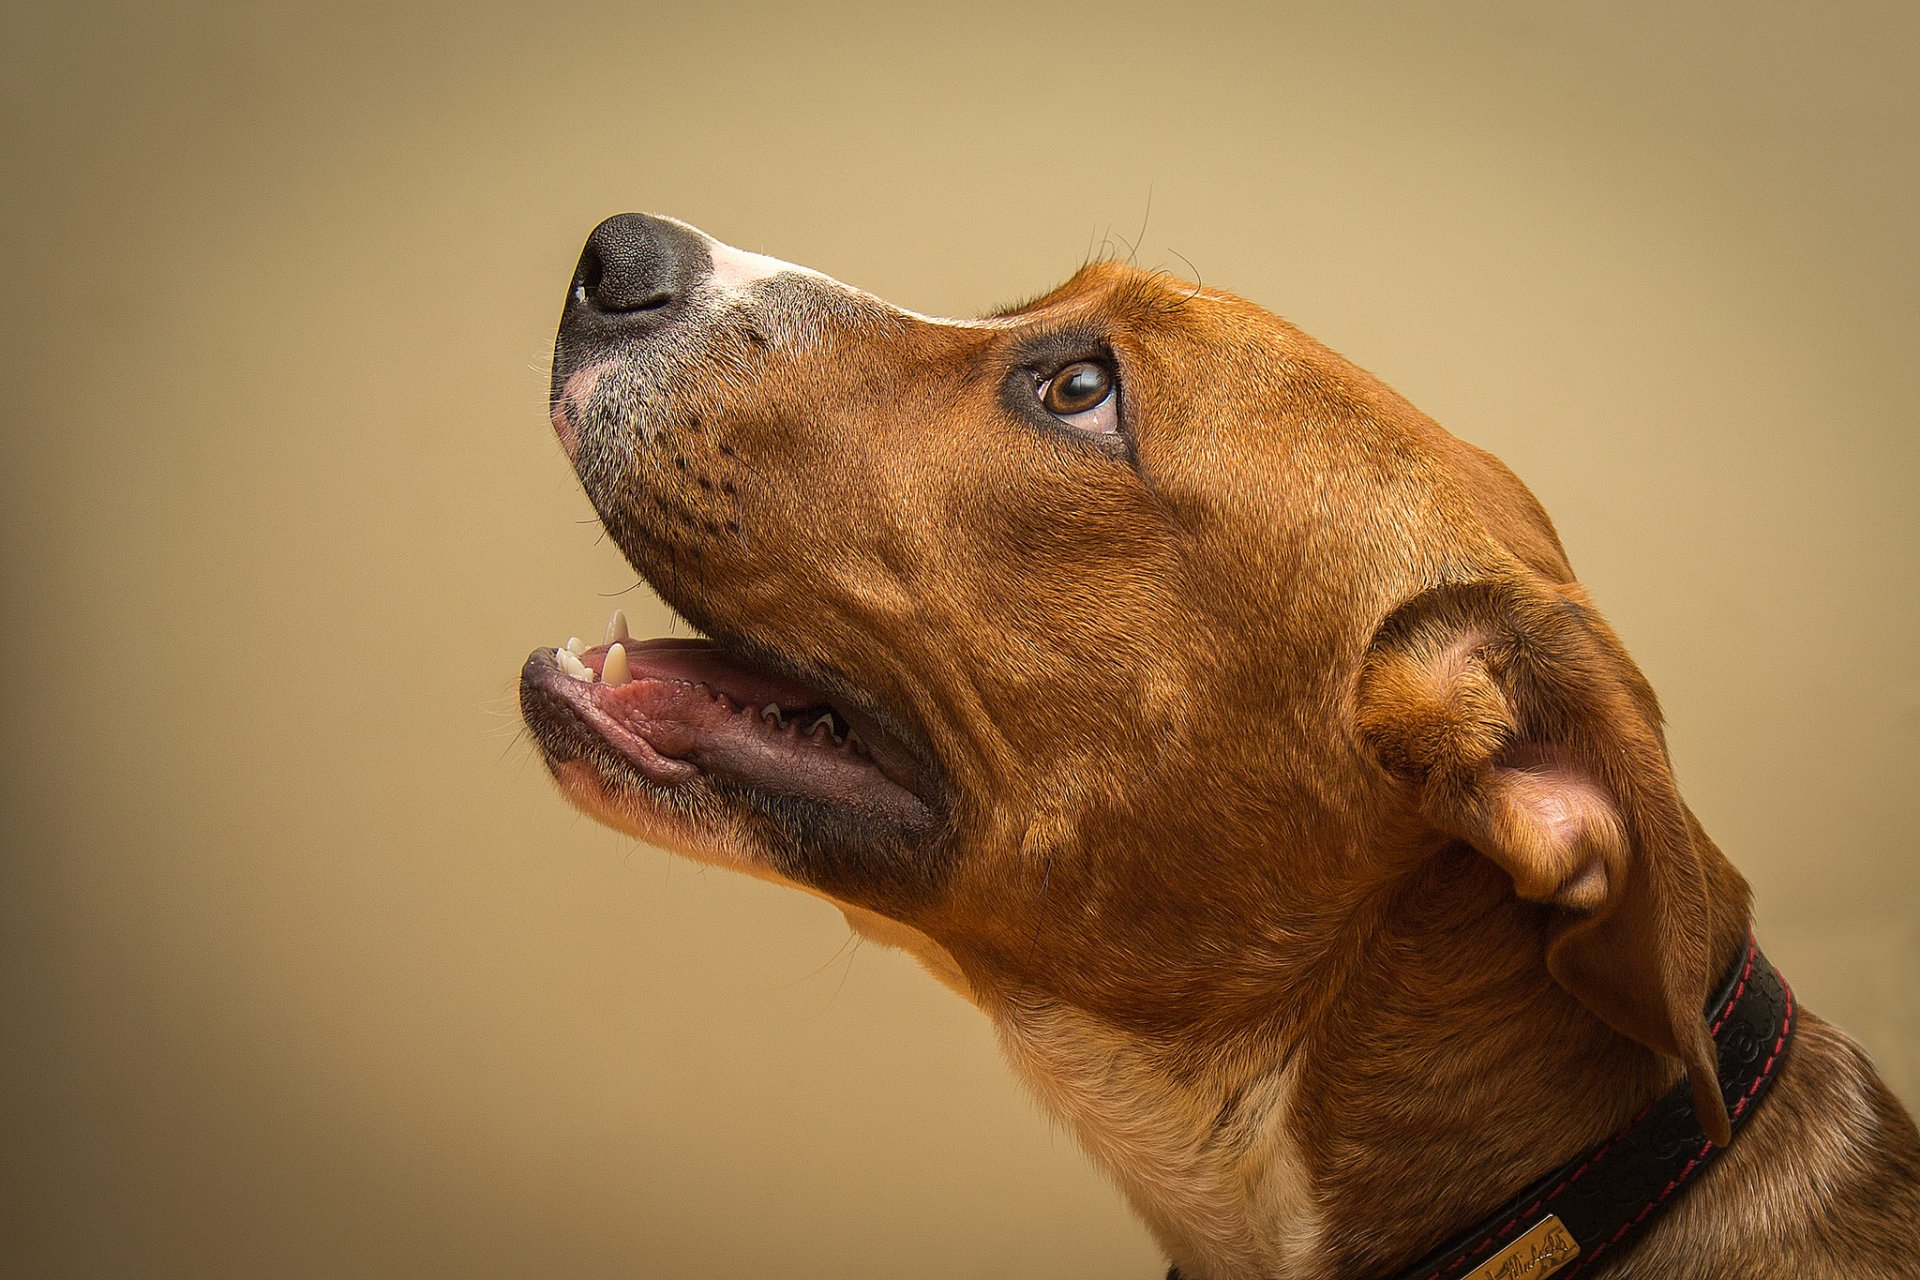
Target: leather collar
{"x": 1599, "y": 1201}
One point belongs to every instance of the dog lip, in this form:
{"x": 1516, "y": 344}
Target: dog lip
{"x": 896, "y": 749}
{"x": 677, "y": 709}
{"x": 570, "y": 726}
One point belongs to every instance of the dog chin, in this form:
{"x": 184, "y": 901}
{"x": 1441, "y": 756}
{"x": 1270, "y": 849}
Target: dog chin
{"x": 695, "y": 828}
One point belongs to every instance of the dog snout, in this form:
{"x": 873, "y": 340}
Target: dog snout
{"x": 635, "y": 274}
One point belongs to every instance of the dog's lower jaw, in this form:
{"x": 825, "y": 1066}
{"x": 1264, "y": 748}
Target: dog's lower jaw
{"x": 1226, "y": 1198}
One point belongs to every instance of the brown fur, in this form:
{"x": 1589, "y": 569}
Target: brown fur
{"x": 1306, "y": 833}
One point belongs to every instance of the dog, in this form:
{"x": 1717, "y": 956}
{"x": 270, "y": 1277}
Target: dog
{"x": 1238, "y": 740}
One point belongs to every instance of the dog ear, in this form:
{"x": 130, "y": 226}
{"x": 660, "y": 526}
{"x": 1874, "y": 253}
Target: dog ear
{"x": 1525, "y": 730}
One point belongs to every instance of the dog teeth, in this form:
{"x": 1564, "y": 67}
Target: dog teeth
{"x": 615, "y": 669}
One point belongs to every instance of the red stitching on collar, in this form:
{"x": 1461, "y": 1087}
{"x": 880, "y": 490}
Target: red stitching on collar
{"x": 1766, "y": 1073}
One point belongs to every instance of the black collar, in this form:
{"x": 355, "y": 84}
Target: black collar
{"x": 1598, "y": 1202}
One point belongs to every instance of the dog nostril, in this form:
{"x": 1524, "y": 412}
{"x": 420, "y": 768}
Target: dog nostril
{"x": 587, "y": 282}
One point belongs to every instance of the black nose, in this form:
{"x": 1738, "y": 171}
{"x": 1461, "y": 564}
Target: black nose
{"x": 635, "y": 272}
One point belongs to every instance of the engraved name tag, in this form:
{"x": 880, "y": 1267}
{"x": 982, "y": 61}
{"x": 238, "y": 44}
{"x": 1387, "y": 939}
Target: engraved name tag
{"x": 1545, "y": 1249}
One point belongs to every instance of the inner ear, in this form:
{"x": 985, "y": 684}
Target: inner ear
{"x": 1438, "y": 703}
{"x": 1554, "y": 830}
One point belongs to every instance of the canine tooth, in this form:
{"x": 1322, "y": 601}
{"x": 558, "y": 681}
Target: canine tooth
{"x": 617, "y": 628}
{"x": 576, "y": 646}
{"x": 615, "y": 670}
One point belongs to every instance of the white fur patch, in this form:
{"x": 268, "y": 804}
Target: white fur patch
{"x": 735, "y": 271}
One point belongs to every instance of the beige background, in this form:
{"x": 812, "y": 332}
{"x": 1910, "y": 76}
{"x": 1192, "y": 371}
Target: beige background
{"x": 306, "y": 970}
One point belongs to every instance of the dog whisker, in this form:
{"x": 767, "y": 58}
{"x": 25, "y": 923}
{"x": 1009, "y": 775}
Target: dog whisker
{"x": 1140, "y": 237}
{"x": 847, "y": 972}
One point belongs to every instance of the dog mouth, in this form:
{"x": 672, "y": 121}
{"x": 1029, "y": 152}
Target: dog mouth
{"x": 671, "y": 714}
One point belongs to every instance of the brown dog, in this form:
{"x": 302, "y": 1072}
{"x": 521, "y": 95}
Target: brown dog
{"x": 1237, "y": 739}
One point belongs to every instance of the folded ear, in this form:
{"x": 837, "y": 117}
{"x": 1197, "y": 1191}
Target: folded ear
{"x": 1526, "y": 731}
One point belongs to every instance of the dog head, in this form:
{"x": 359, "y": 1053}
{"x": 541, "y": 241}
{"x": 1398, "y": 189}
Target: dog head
{"x": 1122, "y": 647}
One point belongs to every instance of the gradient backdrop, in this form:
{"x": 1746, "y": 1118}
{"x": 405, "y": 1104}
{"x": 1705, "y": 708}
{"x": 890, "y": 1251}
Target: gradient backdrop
{"x": 306, "y": 970}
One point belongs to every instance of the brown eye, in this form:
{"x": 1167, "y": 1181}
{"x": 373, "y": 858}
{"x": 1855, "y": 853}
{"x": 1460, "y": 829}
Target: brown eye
{"x": 1081, "y": 395}
{"x": 1077, "y": 388}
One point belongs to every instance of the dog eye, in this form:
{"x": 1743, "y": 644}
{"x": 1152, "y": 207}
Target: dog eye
{"x": 1082, "y": 395}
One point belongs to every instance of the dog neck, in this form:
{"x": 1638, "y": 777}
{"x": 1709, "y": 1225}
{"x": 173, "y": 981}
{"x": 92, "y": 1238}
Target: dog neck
{"x": 1213, "y": 1169}
{"x": 1437, "y": 1079}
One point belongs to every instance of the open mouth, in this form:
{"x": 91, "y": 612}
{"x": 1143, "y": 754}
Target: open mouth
{"x": 675, "y": 711}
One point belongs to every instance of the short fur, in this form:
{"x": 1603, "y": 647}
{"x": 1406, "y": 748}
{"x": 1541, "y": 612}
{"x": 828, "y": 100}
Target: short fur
{"x": 1303, "y": 829}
